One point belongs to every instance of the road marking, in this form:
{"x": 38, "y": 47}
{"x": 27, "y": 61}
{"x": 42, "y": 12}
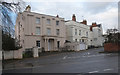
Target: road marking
{"x": 64, "y": 57}
{"x": 107, "y": 69}
{"x": 88, "y": 53}
{"x": 93, "y": 72}
{"x": 83, "y": 56}
{"x": 95, "y": 55}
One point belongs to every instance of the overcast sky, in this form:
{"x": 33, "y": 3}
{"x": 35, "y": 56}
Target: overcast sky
{"x": 102, "y": 12}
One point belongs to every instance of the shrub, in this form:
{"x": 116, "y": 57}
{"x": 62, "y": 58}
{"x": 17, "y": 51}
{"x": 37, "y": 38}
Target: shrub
{"x": 112, "y": 36}
{"x": 28, "y": 54}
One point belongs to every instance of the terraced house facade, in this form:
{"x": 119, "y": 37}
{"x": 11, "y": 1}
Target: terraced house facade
{"x": 44, "y": 31}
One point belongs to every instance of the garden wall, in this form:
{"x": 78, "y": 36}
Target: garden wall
{"x": 13, "y": 54}
{"x": 111, "y": 47}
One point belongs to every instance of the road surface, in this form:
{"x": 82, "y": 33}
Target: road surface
{"x": 89, "y": 61}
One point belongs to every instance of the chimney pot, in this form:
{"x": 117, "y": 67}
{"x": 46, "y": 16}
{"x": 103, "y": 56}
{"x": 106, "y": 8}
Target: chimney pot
{"x": 73, "y": 17}
{"x": 28, "y": 8}
{"x": 94, "y": 24}
{"x": 84, "y": 22}
{"x": 57, "y": 16}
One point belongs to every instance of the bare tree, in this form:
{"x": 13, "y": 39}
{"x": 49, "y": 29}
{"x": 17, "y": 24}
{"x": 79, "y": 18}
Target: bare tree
{"x": 112, "y": 35}
{"x": 6, "y": 8}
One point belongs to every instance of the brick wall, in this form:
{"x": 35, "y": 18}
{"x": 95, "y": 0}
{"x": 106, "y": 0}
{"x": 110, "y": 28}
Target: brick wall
{"x": 111, "y": 47}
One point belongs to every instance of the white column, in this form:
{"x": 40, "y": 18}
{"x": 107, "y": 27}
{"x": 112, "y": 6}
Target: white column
{"x": 46, "y": 44}
{"x": 55, "y": 44}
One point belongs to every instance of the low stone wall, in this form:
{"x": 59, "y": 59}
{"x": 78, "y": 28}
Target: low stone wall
{"x": 76, "y": 46}
{"x": 18, "y": 54}
{"x": 13, "y": 54}
{"x": 111, "y": 47}
{"x": 8, "y": 54}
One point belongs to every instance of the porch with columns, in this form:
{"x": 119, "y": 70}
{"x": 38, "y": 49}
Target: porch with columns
{"x": 50, "y": 43}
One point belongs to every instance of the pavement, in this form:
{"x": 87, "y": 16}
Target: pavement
{"x": 88, "y": 61}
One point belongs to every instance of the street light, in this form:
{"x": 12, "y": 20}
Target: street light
{"x": 0, "y": 42}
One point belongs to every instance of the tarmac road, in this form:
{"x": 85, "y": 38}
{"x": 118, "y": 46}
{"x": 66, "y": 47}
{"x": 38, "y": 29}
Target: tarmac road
{"x": 89, "y": 61}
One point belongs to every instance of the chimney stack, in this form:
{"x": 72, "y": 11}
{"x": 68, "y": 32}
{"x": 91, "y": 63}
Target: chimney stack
{"x": 94, "y": 24}
{"x": 57, "y": 16}
{"x": 28, "y": 8}
{"x": 73, "y": 17}
{"x": 84, "y": 22}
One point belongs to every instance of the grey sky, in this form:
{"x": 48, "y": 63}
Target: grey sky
{"x": 105, "y": 13}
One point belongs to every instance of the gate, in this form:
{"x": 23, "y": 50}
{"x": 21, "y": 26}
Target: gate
{"x": 82, "y": 46}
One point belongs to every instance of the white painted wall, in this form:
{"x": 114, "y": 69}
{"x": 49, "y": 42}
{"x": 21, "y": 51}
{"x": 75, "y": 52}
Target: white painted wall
{"x": 82, "y": 46}
{"x": 17, "y": 54}
{"x": 8, "y": 55}
{"x": 70, "y": 32}
{"x": 97, "y": 36}
{"x": 76, "y": 46}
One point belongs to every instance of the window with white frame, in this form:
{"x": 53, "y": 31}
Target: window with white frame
{"x": 37, "y": 30}
{"x": 37, "y": 20}
{"x": 95, "y": 39}
{"x": 86, "y": 33}
{"x": 57, "y": 22}
{"x": 48, "y": 21}
{"x": 48, "y": 31}
{"x": 79, "y": 32}
{"x": 38, "y": 43}
{"x": 75, "y": 31}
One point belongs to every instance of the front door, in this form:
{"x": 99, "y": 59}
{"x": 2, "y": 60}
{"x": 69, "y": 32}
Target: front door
{"x": 58, "y": 44}
{"x": 50, "y": 44}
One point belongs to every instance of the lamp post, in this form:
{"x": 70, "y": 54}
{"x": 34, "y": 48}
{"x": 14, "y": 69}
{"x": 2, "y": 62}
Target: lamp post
{"x": 0, "y": 49}
{"x": 0, "y": 42}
